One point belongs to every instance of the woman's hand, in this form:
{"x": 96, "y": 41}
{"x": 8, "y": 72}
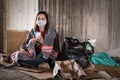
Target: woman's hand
{"x": 40, "y": 39}
{"x": 54, "y": 54}
{"x": 33, "y": 40}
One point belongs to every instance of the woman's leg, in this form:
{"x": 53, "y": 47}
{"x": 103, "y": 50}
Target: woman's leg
{"x": 51, "y": 62}
{"x": 15, "y": 57}
{"x": 21, "y": 54}
{"x": 33, "y": 63}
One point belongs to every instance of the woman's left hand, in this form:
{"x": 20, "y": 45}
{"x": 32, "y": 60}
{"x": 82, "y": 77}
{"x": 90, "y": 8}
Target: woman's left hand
{"x": 54, "y": 54}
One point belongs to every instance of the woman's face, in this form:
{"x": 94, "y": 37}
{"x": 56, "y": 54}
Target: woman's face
{"x": 41, "y": 17}
{"x": 41, "y": 21}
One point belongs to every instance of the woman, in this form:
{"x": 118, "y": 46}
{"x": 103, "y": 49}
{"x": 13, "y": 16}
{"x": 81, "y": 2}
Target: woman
{"x": 41, "y": 45}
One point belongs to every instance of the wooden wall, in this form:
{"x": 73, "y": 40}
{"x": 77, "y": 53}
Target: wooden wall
{"x": 20, "y": 14}
{"x": 86, "y": 19}
{"x": 1, "y": 25}
{"x": 114, "y": 27}
{"x": 83, "y": 19}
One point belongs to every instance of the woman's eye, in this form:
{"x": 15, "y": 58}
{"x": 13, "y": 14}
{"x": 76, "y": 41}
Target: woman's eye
{"x": 43, "y": 19}
{"x": 38, "y": 18}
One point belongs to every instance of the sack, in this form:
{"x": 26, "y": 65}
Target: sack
{"x": 104, "y": 59}
{"x": 73, "y": 49}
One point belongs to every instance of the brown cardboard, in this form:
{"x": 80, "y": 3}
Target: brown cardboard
{"x": 15, "y": 39}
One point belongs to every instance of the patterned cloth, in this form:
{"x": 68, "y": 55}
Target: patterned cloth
{"x": 50, "y": 39}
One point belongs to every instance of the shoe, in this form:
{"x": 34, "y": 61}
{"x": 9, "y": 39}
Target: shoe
{"x": 6, "y": 58}
{"x": 11, "y": 65}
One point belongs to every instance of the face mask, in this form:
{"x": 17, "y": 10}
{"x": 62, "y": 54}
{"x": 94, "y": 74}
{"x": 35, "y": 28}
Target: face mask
{"x": 41, "y": 23}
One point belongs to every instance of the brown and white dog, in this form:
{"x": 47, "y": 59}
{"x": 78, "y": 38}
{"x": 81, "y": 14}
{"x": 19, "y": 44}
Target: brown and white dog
{"x": 69, "y": 69}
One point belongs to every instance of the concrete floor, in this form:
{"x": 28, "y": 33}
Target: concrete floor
{"x": 18, "y": 74}
{"x": 40, "y": 74}
{"x": 14, "y": 74}
{"x": 22, "y": 73}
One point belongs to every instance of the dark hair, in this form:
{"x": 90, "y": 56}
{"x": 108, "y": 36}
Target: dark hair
{"x": 46, "y": 26}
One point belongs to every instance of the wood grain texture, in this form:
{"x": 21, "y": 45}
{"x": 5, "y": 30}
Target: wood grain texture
{"x": 83, "y": 19}
{"x": 1, "y": 25}
{"x": 86, "y": 19}
{"x": 20, "y": 14}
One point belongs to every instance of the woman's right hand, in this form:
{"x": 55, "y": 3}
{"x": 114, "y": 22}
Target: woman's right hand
{"x": 40, "y": 39}
{"x": 33, "y": 40}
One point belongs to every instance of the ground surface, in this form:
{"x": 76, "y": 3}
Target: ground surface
{"x": 13, "y": 74}
{"x": 20, "y": 73}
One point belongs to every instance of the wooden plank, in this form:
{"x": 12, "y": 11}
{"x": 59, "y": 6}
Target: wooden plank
{"x": 82, "y": 19}
{"x": 113, "y": 29}
{"x": 77, "y": 24}
{"x": 1, "y": 25}
{"x": 22, "y": 12}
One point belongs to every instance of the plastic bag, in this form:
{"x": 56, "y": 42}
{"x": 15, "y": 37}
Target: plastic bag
{"x": 103, "y": 58}
{"x": 73, "y": 49}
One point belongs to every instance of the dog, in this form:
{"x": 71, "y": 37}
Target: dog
{"x": 69, "y": 69}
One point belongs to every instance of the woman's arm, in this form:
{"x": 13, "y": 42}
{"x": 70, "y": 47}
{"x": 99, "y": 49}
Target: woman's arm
{"x": 51, "y": 45}
{"x": 29, "y": 36}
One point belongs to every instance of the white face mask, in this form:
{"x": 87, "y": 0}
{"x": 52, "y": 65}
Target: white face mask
{"x": 41, "y": 23}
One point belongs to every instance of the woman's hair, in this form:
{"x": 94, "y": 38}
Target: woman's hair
{"x": 36, "y": 27}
